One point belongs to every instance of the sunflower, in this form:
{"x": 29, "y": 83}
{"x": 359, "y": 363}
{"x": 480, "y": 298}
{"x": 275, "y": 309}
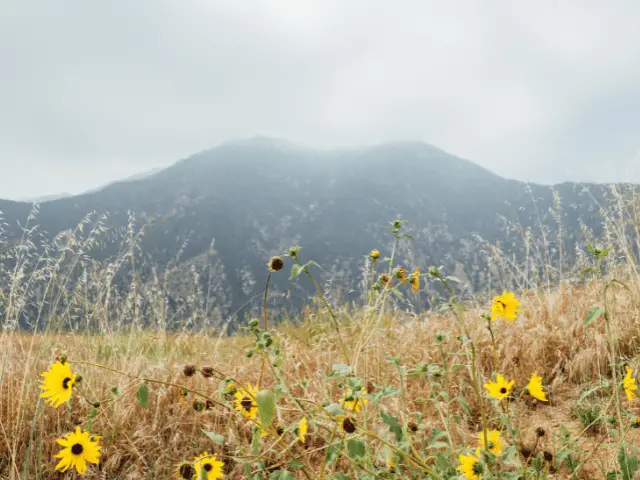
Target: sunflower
{"x": 354, "y": 401}
{"x": 275, "y": 264}
{"x": 535, "y": 388}
{"x": 385, "y": 281}
{"x": 79, "y": 448}
{"x": 347, "y": 424}
{"x": 264, "y": 432}
{"x": 374, "y": 254}
{"x": 401, "y": 274}
{"x": 495, "y": 444}
{"x": 500, "y": 389}
{"x": 246, "y": 401}
{"x": 208, "y": 467}
{"x": 301, "y": 429}
{"x": 630, "y": 386}
{"x": 185, "y": 471}
{"x": 505, "y": 306}
{"x": 415, "y": 280}
{"x": 57, "y": 384}
{"x": 470, "y": 466}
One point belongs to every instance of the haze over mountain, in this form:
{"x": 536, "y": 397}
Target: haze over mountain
{"x": 229, "y": 209}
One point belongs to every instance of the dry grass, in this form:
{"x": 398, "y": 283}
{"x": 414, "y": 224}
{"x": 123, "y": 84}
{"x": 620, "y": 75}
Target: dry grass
{"x": 147, "y": 443}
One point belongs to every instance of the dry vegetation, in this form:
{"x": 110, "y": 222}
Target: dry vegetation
{"x": 423, "y": 374}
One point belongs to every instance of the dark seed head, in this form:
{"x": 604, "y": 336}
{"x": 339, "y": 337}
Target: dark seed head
{"x": 348, "y": 425}
{"x": 208, "y": 467}
{"x": 77, "y": 449}
{"x": 412, "y": 426}
{"x": 208, "y": 405}
{"x": 280, "y": 430}
{"x": 198, "y": 406}
{"x": 186, "y": 471}
{"x": 275, "y": 264}
{"x": 189, "y": 370}
{"x": 207, "y": 372}
{"x": 540, "y": 432}
{"x": 548, "y": 456}
{"x": 65, "y": 383}
{"x": 247, "y": 403}
{"x": 503, "y": 390}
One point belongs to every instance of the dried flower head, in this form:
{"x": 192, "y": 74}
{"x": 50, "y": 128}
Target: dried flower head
{"x": 207, "y": 372}
{"x": 275, "y": 264}
{"x": 189, "y": 370}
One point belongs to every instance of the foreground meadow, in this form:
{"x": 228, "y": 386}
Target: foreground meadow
{"x": 531, "y": 384}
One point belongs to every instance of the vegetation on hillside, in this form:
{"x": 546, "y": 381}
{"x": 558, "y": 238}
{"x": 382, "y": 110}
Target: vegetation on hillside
{"x": 535, "y": 383}
{"x": 218, "y": 214}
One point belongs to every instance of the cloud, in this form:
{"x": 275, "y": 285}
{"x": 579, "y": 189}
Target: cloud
{"x": 95, "y": 91}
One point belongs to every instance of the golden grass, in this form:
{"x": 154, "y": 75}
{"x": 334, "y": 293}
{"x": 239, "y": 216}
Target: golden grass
{"x": 549, "y": 339}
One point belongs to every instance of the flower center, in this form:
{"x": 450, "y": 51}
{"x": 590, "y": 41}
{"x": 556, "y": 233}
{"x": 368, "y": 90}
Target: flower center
{"x": 247, "y": 403}
{"x": 503, "y": 390}
{"x": 208, "y": 467}
{"x": 186, "y": 471}
{"x": 77, "y": 449}
{"x": 65, "y": 383}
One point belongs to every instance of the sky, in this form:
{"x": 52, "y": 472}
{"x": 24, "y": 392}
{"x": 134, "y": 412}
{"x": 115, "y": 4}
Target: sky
{"x": 92, "y": 92}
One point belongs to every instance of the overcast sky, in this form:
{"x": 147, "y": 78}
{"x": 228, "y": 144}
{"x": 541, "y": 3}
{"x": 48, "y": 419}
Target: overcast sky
{"x": 93, "y": 91}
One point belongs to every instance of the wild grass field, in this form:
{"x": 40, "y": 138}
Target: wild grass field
{"x": 518, "y": 383}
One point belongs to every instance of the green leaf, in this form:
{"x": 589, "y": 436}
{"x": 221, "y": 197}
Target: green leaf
{"x": 340, "y": 370}
{"x": 628, "y": 464}
{"x": 592, "y": 315}
{"x": 215, "y": 438}
{"x": 356, "y": 448}
{"x": 334, "y": 409}
{"x": 592, "y": 390}
{"x": 386, "y": 392}
{"x": 295, "y": 465}
{"x": 296, "y": 270}
{"x": 266, "y": 401}
{"x": 280, "y": 475}
{"x": 584, "y": 271}
{"x": 143, "y": 395}
{"x": 394, "y": 425}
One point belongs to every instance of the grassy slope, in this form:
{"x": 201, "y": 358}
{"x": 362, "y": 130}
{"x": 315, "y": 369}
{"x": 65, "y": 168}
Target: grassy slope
{"x": 139, "y": 443}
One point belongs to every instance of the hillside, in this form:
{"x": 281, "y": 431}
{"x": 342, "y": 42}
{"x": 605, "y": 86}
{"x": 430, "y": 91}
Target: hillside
{"x": 256, "y": 198}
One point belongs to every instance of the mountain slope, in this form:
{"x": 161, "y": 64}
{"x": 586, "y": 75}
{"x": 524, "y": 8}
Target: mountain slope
{"x": 256, "y": 198}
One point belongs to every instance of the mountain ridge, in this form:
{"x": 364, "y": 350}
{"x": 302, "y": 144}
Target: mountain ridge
{"x": 249, "y": 200}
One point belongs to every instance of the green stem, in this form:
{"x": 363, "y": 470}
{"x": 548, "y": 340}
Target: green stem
{"x": 474, "y": 373}
{"x": 334, "y": 319}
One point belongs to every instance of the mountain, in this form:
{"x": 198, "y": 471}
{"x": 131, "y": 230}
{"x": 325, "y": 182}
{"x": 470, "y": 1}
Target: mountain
{"x": 255, "y": 198}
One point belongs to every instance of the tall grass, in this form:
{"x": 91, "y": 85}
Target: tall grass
{"x": 421, "y": 372}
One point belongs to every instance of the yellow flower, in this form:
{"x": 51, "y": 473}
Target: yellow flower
{"x": 57, "y": 384}
{"x": 535, "y": 388}
{"x": 264, "y": 432}
{"x": 302, "y": 429}
{"x": 354, "y": 402}
{"x": 415, "y": 280}
{"x": 495, "y": 444}
{"x": 500, "y": 389}
{"x": 246, "y": 401}
{"x": 630, "y": 386}
{"x": 347, "y": 424}
{"x": 401, "y": 274}
{"x": 185, "y": 471}
{"x": 506, "y": 307}
{"x": 210, "y": 465}
{"x": 470, "y": 466}
{"x": 79, "y": 448}
{"x": 374, "y": 254}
